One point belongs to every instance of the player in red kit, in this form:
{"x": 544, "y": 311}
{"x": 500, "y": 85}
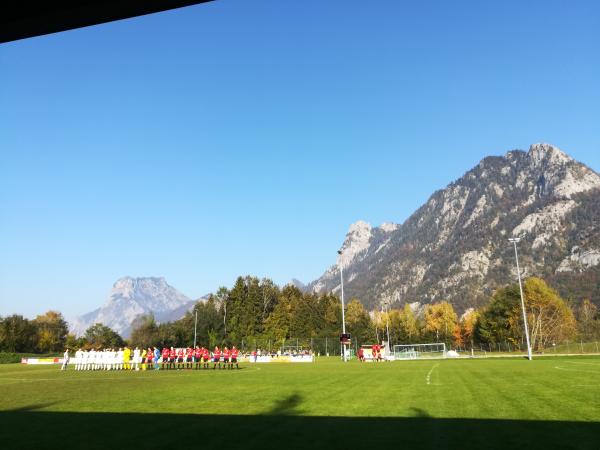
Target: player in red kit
{"x": 165, "y": 357}
{"x": 205, "y": 357}
{"x": 180, "y": 354}
{"x": 149, "y": 358}
{"x": 216, "y": 358}
{"x": 361, "y": 355}
{"x": 226, "y": 364}
{"x": 189, "y": 356}
{"x": 172, "y": 357}
{"x": 197, "y": 356}
{"x": 234, "y": 357}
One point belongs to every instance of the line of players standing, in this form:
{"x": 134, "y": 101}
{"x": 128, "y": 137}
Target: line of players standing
{"x": 171, "y": 358}
{"x": 198, "y": 358}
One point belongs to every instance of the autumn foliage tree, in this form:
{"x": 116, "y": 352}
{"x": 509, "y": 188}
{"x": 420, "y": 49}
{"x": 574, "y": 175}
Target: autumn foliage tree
{"x": 404, "y": 325}
{"x": 358, "y": 322}
{"x": 465, "y": 330}
{"x": 52, "y": 331}
{"x": 440, "y": 321}
{"x": 588, "y": 320}
{"x": 549, "y": 317}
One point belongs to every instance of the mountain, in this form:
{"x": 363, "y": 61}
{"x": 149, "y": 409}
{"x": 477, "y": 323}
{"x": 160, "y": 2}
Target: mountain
{"x": 297, "y": 283}
{"x": 131, "y": 297}
{"x": 455, "y": 247}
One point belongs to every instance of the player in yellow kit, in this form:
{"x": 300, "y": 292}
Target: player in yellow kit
{"x": 144, "y": 355}
{"x": 126, "y": 358}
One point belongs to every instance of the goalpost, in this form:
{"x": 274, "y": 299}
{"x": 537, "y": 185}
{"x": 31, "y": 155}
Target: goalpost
{"x": 420, "y": 351}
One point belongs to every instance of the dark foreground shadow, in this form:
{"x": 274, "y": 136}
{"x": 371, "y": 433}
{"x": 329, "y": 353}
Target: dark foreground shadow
{"x": 286, "y": 406}
{"x": 26, "y": 429}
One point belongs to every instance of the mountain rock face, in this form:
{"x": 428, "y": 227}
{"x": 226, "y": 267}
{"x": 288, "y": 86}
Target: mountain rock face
{"x": 297, "y": 283}
{"x": 455, "y": 247}
{"x": 132, "y": 297}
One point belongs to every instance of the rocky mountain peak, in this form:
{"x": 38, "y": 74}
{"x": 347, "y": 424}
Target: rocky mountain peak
{"x": 543, "y": 154}
{"x": 357, "y": 240}
{"x": 359, "y": 227}
{"x": 455, "y": 247}
{"x": 127, "y": 286}
{"x": 389, "y": 227}
{"x": 131, "y": 297}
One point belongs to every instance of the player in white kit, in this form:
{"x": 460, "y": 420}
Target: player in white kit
{"x": 78, "y": 356}
{"x": 65, "y": 360}
{"x": 136, "y": 358}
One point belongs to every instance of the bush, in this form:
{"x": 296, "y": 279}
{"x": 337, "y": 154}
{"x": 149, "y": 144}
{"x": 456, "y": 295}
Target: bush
{"x": 9, "y": 358}
{"x": 13, "y": 358}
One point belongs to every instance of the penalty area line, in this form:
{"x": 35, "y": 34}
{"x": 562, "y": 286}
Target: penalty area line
{"x": 428, "y": 377}
{"x": 120, "y": 377}
{"x": 579, "y": 363}
{"x": 569, "y": 369}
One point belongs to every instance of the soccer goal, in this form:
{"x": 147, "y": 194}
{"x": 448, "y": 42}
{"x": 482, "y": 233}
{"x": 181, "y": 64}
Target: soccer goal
{"x": 420, "y": 351}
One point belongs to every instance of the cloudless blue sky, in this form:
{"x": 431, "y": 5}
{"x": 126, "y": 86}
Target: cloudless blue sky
{"x": 244, "y": 137}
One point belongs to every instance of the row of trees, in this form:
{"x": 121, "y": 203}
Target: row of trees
{"x": 259, "y": 309}
{"x": 46, "y": 333}
{"x": 253, "y": 309}
{"x": 550, "y": 320}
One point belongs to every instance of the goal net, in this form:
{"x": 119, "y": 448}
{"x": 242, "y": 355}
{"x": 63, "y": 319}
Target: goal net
{"x": 420, "y": 351}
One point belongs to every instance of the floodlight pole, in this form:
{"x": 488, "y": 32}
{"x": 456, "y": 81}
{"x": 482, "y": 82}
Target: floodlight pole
{"x": 195, "y": 327}
{"x": 225, "y": 315}
{"x": 514, "y": 241}
{"x": 343, "y": 313}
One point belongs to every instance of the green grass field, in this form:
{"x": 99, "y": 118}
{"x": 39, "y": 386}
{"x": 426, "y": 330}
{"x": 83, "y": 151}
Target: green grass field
{"x": 550, "y": 402}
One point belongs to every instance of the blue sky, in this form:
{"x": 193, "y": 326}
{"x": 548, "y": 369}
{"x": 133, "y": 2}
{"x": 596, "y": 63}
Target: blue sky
{"x": 244, "y": 137}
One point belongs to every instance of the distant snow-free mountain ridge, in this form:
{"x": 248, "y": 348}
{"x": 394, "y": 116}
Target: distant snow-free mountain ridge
{"x": 132, "y": 297}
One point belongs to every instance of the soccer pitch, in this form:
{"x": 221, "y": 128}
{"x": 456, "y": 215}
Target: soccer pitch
{"x": 551, "y": 402}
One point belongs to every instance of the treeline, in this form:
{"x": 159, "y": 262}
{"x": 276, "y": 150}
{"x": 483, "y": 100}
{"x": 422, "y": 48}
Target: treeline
{"x": 258, "y": 310}
{"x": 550, "y": 320}
{"x": 253, "y": 309}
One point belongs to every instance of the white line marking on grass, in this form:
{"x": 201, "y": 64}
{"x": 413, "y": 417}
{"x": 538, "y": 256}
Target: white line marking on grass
{"x": 568, "y": 369}
{"x": 35, "y": 380}
{"x": 428, "y": 377}
{"x": 122, "y": 377}
{"x": 583, "y": 363}
{"x": 21, "y": 372}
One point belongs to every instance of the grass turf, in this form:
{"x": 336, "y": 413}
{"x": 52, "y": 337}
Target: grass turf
{"x": 468, "y": 404}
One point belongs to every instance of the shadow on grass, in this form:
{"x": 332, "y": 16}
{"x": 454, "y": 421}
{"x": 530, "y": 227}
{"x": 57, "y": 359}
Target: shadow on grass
{"x": 28, "y": 429}
{"x": 28, "y": 408}
{"x": 286, "y": 406}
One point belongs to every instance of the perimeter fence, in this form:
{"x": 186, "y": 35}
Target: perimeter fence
{"x": 319, "y": 346}
{"x": 330, "y": 346}
{"x": 510, "y": 348}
